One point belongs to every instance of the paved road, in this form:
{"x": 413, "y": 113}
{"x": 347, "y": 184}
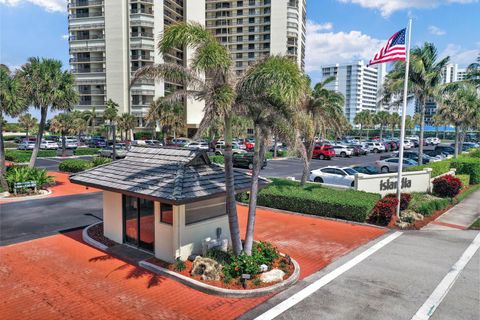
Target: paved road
{"x": 26, "y": 220}
{"x": 392, "y": 283}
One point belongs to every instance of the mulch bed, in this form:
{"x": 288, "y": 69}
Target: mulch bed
{"x": 96, "y": 233}
{"x": 233, "y": 285}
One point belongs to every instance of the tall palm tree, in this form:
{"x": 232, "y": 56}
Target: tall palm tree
{"x": 394, "y": 121}
{"x": 424, "y": 79}
{"x": 269, "y": 92}
{"x": 364, "y": 119}
{"x": 382, "y": 118}
{"x": 110, "y": 114}
{"x": 409, "y": 123}
{"x": 209, "y": 79}
{"x": 46, "y": 87}
{"x": 473, "y": 73}
{"x": 126, "y": 123}
{"x": 27, "y": 122}
{"x": 459, "y": 105}
{"x": 63, "y": 124}
{"x": 79, "y": 126}
{"x": 12, "y": 103}
{"x": 322, "y": 109}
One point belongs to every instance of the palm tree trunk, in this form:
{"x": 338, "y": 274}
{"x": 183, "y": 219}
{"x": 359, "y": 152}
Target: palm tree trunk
{"x": 462, "y": 139}
{"x": 422, "y": 132}
{"x": 3, "y": 169}
{"x": 275, "y": 148}
{"x": 361, "y": 130}
{"x": 64, "y": 145}
{"x": 26, "y": 135}
{"x": 231, "y": 204}
{"x": 381, "y": 131}
{"x": 259, "y": 152}
{"x": 457, "y": 141}
{"x": 41, "y": 127}
{"x": 307, "y": 159}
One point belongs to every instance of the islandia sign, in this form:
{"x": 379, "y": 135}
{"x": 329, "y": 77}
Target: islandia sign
{"x": 414, "y": 181}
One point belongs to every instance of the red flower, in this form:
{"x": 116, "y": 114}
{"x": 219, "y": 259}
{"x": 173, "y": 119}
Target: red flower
{"x": 237, "y": 268}
{"x": 259, "y": 249}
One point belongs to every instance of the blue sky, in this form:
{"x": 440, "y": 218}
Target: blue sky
{"x": 338, "y": 30}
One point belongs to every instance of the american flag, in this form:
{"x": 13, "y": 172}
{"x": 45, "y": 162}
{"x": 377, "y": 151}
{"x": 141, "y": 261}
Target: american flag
{"x": 395, "y": 49}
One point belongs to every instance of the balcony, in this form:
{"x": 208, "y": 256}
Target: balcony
{"x": 85, "y": 15}
{"x": 90, "y": 37}
{"x": 85, "y": 3}
{"x": 87, "y": 59}
{"x": 92, "y": 70}
{"x": 142, "y": 35}
{"x": 144, "y": 58}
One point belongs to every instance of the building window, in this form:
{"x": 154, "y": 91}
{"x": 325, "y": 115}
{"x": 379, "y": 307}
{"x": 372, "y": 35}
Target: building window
{"x": 166, "y": 213}
{"x": 204, "y": 210}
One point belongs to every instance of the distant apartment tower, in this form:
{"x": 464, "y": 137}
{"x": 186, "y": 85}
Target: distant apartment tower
{"x": 253, "y": 29}
{"x": 358, "y": 83}
{"x": 110, "y": 39}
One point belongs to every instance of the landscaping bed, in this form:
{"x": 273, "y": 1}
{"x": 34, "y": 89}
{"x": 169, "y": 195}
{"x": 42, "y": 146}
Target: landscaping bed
{"x": 78, "y": 165}
{"x": 23, "y": 174}
{"x": 96, "y": 233}
{"x": 21, "y": 156}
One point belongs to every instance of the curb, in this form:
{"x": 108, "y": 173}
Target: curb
{"x": 228, "y": 293}
{"x": 38, "y": 196}
{"x": 90, "y": 240}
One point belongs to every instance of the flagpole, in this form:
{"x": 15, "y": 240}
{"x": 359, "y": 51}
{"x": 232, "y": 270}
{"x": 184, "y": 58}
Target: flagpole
{"x": 404, "y": 115}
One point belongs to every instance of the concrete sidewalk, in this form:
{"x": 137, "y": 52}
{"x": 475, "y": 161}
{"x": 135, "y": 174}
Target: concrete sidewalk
{"x": 460, "y": 217}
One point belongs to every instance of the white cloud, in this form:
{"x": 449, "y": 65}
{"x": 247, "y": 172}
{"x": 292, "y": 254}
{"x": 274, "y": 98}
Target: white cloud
{"x": 459, "y": 55}
{"x": 48, "y": 5}
{"x": 436, "y": 31}
{"x": 387, "y": 7}
{"x": 324, "y": 48}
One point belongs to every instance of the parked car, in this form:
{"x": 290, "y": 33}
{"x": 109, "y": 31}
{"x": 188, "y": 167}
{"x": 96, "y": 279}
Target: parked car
{"x": 120, "y": 152}
{"x": 180, "y": 142}
{"x": 375, "y": 147}
{"x": 70, "y": 143}
{"x": 436, "y": 156}
{"x": 219, "y": 149}
{"x": 366, "y": 169}
{"x": 334, "y": 175}
{"x": 342, "y": 151}
{"x": 323, "y": 152}
{"x": 357, "y": 150}
{"x": 195, "y": 145}
{"x": 26, "y": 145}
{"x": 411, "y": 155}
{"x": 407, "y": 145}
{"x": 466, "y": 146}
{"x": 153, "y": 143}
{"x": 448, "y": 150}
{"x": 245, "y": 160}
{"x": 48, "y": 145}
{"x": 391, "y": 164}
{"x": 97, "y": 142}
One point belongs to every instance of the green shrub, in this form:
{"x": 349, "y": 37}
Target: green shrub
{"x": 86, "y": 151}
{"x": 280, "y": 154}
{"x": 75, "y": 165}
{"x": 465, "y": 178}
{"x": 427, "y": 204}
{"x": 264, "y": 253}
{"x": 256, "y": 282}
{"x": 241, "y": 264}
{"x": 474, "y": 153}
{"x": 318, "y": 200}
{"x": 179, "y": 265}
{"x": 438, "y": 168}
{"x": 98, "y": 161}
{"x": 470, "y": 166}
{"x": 24, "y": 155}
{"x": 217, "y": 159}
{"x": 25, "y": 174}
{"x": 10, "y": 144}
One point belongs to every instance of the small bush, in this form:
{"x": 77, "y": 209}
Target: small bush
{"x": 75, "y": 165}
{"x": 474, "y": 153}
{"x": 264, "y": 253}
{"x": 179, "y": 265}
{"x": 465, "y": 178}
{"x": 25, "y": 174}
{"x": 438, "y": 168}
{"x": 446, "y": 186}
{"x": 20, "y": 156}
{"x": 383, "y": 211}
{"x": 86, "y": 151}
{"x": 404, "y": 199}
{"x": 470, "y": 166}
{"x": 97, "y": 161}
{"x": 427, "y": 204}
{"x": 256, "y": 282}
{"x": 217, "y": 159}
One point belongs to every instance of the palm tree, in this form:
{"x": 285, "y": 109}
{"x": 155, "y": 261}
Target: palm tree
{"x": 110, "y": 114}
{"x": 126, "y": 123}
{"x": 268, "y": 93}
{"x": 382, "y": 118}
{"x": 46, "y": 87}
{"x": 424, "y": 79}
{"x": 27, "y": 122}
{"x": 409, "y": 123}
{"x": 12, "y": 103}
{"x": 63, "y": 124}
{"x": 322, "y": 109}
{"x": 90, "y": 116}
{"x": 394, "y": 121}
{"x": 364, "y": 119}
{"x": 79, "y": 125}
{"x": 459, "y": 105}
{"x": 473, "y": 73}
{"x": 210, "y": 79}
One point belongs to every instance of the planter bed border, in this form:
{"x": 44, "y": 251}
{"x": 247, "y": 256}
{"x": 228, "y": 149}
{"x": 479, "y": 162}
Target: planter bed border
{"x": 33, "y": 197}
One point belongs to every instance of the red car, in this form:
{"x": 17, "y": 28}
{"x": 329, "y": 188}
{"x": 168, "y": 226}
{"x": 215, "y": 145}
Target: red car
{"x": 323, "y": 152}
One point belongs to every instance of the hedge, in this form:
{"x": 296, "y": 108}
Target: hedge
{"x": 468, "y": 165}
{"x": 465, "y": 178}
{"x": 280, "y": 154}
{"x": 474, "y": 153}
{"x": 426, "y": 204}
{"x": 317, "y": 200}
{"x": 86, "y": 151}
{"x": 24, "y": 155}
{"x": 438, "y": 168}
{"x": 75, "y": 165}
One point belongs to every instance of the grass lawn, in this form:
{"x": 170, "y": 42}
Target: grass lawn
{"x": 475, "y": 225}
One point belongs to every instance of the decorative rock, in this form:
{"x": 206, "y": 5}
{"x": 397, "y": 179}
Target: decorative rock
{"x": 263, "y": 268}
{"x": 274, "y": 275}
{"x": 209, "y": 269}
{"x": 413, "y": 214}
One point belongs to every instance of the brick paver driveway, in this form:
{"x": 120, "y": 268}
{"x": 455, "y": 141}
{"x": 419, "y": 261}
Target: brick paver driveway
{"x": 60, "y": 277}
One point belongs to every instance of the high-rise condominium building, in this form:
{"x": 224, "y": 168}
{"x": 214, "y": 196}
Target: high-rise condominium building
{"x": 253, "y": 29}
{"x": 111, "y": 39}
{"x": 358, "y": 83}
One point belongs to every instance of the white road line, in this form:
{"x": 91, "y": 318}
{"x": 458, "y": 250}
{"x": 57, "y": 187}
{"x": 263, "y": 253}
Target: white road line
{"x": 429, "y": 307}
{"x": 306, "y": 292}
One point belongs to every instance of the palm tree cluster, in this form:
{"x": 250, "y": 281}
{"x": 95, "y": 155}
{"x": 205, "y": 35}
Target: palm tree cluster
{"x": 68, "y": 123}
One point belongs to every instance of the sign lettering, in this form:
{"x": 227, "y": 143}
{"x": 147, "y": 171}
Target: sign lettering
{"x": 392, "y": 184}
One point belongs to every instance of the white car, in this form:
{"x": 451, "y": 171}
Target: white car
{"x": 219, "y": 148}
{"x": 195, "y": 145}
{"x": 334, "y": 175}
{"x": 71, "y": 143}
{"x": 153, "y": 143}
{"x": 26, "y": 145}
{"x": 375, "y": 147}
{"x": 432, "y": 141}
{"x": 342, "y": 151}
{"x": 407, "y": 145}
{"x": 139, "y": 143}
{"x": 49, "y": 145}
